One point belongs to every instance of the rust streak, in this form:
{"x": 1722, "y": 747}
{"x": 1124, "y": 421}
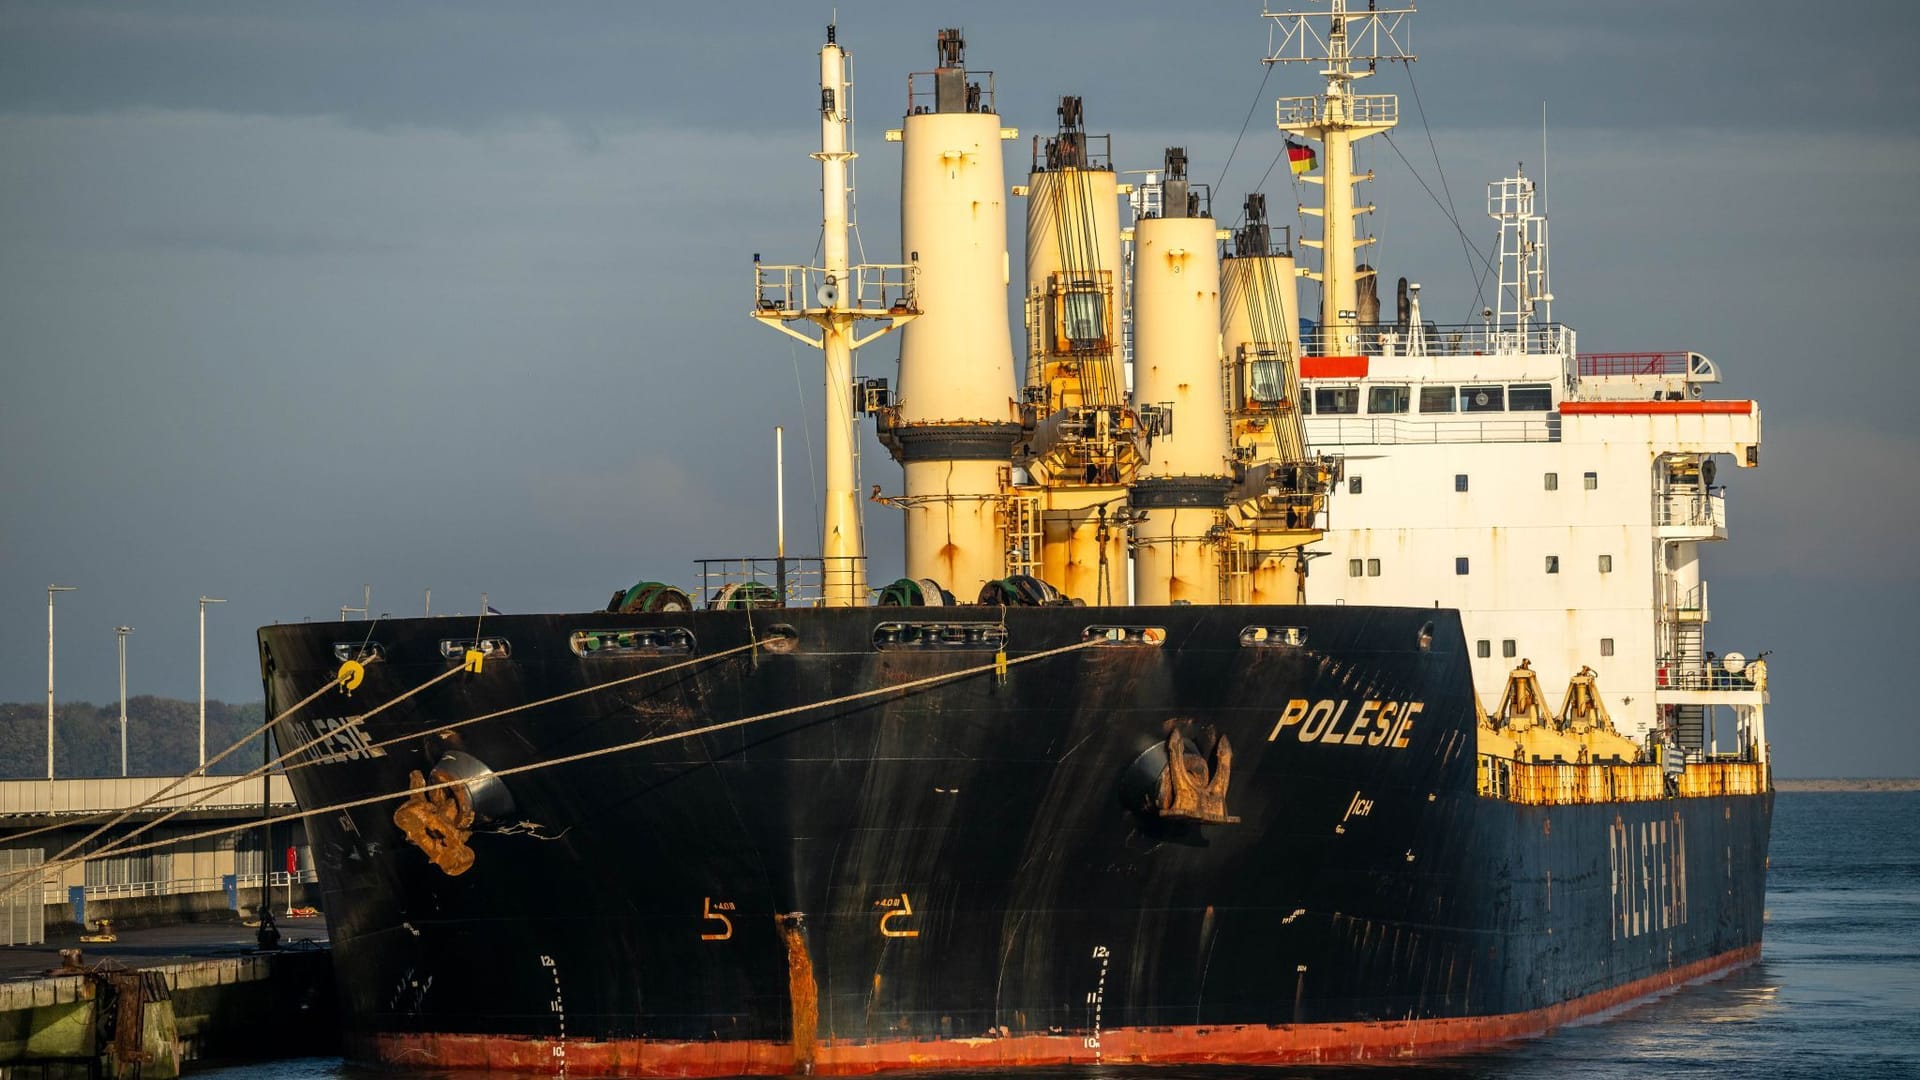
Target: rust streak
{"x": 801, "y": 990}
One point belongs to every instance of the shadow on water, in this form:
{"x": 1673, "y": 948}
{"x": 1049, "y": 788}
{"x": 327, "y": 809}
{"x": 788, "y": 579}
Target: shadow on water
{"x": 1836, "y": 994}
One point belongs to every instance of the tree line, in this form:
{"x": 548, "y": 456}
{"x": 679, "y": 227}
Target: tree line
{"x": 163, "y": 737}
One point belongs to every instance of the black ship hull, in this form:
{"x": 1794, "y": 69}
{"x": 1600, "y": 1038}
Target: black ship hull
{"x": 863, "y": 843}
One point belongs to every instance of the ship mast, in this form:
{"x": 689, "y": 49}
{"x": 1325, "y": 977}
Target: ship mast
{"x": 1351, "y": 47}
{"x": 835, "y": 296}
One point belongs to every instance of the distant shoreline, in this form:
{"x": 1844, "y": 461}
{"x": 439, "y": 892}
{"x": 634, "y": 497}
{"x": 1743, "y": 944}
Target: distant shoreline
{"x": 1892, "y": 783}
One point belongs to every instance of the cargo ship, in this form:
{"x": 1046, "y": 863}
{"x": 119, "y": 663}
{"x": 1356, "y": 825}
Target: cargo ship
{"x": 1173, "y": 742}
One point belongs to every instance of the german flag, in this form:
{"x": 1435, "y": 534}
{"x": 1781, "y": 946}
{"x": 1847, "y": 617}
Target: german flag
{"x": 1301, "y": 158}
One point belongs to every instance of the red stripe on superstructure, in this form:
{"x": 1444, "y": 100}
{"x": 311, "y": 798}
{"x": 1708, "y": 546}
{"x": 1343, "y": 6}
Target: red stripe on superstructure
{"x": 1650, "y": 408}
{"x": 1333, "y": 367}
{"x": 1227, "y": 1044}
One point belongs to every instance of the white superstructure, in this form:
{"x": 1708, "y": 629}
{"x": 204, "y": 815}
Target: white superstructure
{"x": 1558, "y": 500}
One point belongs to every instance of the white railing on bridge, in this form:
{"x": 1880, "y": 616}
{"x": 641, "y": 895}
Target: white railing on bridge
{"x": 21, "y": 798}
{"x": 1390, "y": 430}
{"x": 1707, "y": 508}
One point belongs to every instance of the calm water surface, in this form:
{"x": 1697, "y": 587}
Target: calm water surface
{"x": 1836, "y": 994}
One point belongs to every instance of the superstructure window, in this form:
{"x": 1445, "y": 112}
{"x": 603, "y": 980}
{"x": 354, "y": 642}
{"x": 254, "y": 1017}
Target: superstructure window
{"x": 1373, "y": 567}
{"x": 1606, "y": 646}
{"x": 1079, "y": 315}
{"x": 1306, "y": 402}
{"x": 1436, "y": 399}
{"x": 1553, "y": 481}
{"x": 1355, "y": 567}
{"x": 1483, "y": 648}
{"x": 1336, "y": 400}
{"x": 1459, "y": 481}
{"x": 1266, "y": 377}
{"x": 1460, "y": 565}
{"x": 1593, "y": 481}
{"x": 1387, "y": 399}
{"x": 1606, "y": 564}
{"x": 1508, "y": 649}
{"x": 1553, "y": 564}
{"x": 1532, "y": 397}
{"x": 1353, "y": 485}
{"x": 1483, "y": 399}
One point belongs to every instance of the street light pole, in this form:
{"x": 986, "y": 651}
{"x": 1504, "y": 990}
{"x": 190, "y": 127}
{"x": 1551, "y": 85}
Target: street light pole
{"x": 204, "y": 601}
{"x": 121, "y": 632}
{"x": 51, "y": 589}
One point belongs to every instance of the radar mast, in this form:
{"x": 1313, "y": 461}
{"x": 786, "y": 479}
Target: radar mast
{"x": 1351, "y": 45}
{"x": 835, "y": 296}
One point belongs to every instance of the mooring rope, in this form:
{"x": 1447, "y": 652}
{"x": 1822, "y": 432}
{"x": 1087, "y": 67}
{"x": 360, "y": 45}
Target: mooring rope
{"x": 119, "y": 845}
{"x": 999, "y": 664}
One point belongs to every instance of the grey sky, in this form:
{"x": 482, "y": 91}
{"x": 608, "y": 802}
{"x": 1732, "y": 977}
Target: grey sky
{"x": 296, "y": 297}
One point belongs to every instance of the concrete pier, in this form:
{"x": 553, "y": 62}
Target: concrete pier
{"x": 165, "y": 998}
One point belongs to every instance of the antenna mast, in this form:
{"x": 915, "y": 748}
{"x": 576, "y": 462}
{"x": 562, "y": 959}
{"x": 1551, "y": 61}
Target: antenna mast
{"x": 1351, "y": 47}
{"x": 834, "y": 297}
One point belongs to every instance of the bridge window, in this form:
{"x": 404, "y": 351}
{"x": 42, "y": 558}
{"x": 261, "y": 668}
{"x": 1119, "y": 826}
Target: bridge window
{"x": 1483, "y": 648}
{"x": 1436, "y": 399}
{"x": 1553, "y": 481}
{"x": 1387, "y": 399}
{"x": 1553, "y": 564}
{"x": 1533, "y": 397}
{"x": 1336, "y": 400}
{"x": 1606, "y": 646}
{"x": 1508, "y": 649}
{"x": 1483, "y": 399}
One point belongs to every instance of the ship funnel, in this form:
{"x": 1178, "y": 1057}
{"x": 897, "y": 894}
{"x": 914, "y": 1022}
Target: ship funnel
{"x": 954, "y": 422}
{"x": 1083, "y": 442}
{"x": 1180, "y": 497}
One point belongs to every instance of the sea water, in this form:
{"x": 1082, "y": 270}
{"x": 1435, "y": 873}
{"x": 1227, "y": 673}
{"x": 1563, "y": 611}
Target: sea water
{"x": 1836, "y": 993}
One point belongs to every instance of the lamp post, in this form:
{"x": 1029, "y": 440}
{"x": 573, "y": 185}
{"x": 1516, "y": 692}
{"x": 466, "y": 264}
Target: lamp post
{"x": 51, "y": 589}
{"x": 204, "y": 601}
{"x": 121, "y": 632}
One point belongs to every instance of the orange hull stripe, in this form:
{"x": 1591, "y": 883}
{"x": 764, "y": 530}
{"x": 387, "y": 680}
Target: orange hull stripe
{"x": 1252, "y": 1044}
{"x": 1648, "y": 408}
{"x": 1333, "y": 367}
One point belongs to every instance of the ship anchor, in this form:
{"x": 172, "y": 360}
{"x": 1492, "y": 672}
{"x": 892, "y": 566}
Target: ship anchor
{"x": 438, "y": 822}
{"x": 1190, "y": 788}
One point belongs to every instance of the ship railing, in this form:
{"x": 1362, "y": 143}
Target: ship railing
{"x": 1542, "y": 783}
{"x": 1393, "y": 431}
{"x": 1310, "y": 109}
{"x": 1633, "y": 365}
{"x": 776, "y": 581}
{"x": 923, "y": 93}
{"x": 1699, "y": 673}
{"x": 1434, "y": 339}
{"x": 1707, "y": 507}
{"x": 874, "y": 289}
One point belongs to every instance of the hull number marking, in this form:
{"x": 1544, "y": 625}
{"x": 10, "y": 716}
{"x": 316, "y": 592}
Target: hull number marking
{"x": 896, "y": 907}
{"x": 712, "y": 911}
